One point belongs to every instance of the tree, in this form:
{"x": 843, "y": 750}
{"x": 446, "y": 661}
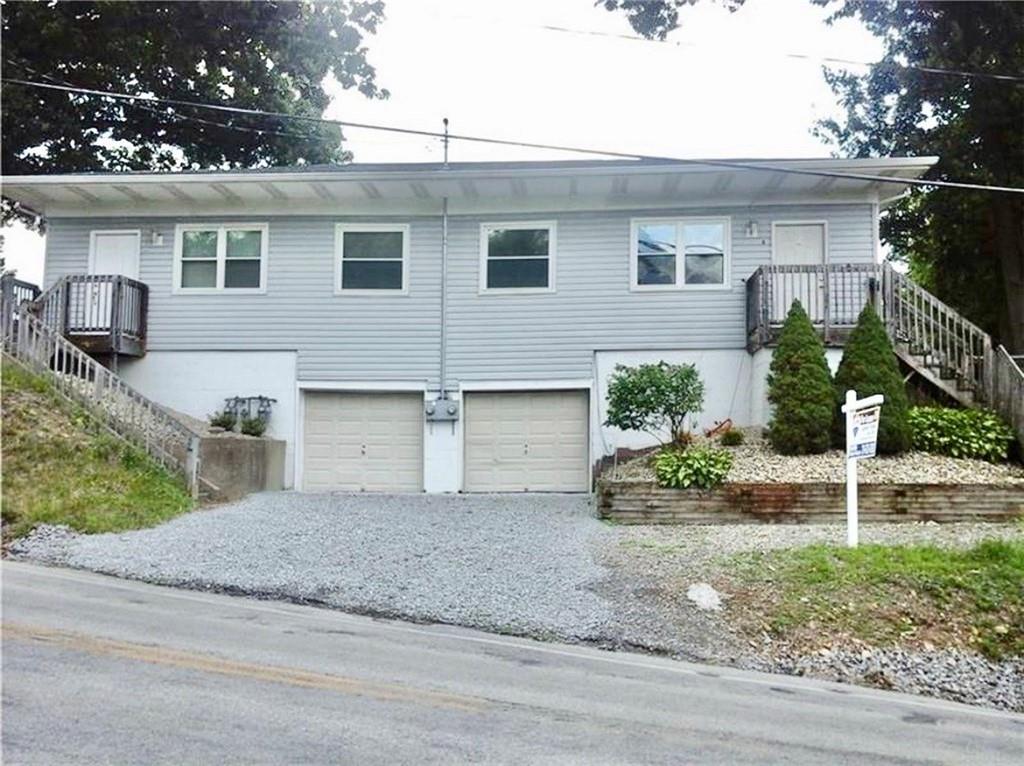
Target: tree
{"x": 869, "y": 367}
{"x": 655, "y": 398}
{"x": 271, "y": 56}
{"x": 966, "y": 246}
{"x": 800, "y": 389}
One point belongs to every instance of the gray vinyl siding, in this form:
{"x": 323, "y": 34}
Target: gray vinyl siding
{"x": 490, "y": 336}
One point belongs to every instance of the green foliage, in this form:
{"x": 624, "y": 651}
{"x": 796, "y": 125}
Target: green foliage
{"x": 224, "y": 419}
{"x": 883, "y": 594}
{"x": 257, "y": 55}
{"x": 61, "y": 468}
{"x": 966, "y": 244}
{"x": 253, "y": 426}
{"x": 732, "y": 438}
{"x": 800, "y": 389}
{"x": 869, "y": 367}
{"x": 656, "y": 18}
{"x": 960, "y": 433}
{"x": 656, "y": 398}
{"x": 702, "y": 467}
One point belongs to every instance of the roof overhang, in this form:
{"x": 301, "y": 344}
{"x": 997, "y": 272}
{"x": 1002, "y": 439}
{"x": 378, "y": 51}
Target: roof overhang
{"x": 469, "y": 187}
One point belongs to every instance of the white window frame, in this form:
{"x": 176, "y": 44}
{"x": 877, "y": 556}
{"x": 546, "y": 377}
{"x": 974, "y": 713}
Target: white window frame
{"x": 221, "y": 229}
{"x": 487, "y": 228}
{"x": 339, "y": 257}
{"x": 680, "y": 283}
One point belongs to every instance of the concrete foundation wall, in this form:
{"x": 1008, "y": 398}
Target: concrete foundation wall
{"x": 198, "y": 382}
{"x": 240, "y": 466}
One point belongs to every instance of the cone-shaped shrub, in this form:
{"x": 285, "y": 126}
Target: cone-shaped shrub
{"x": 800, "y": 389}
{"x": 869, "y": 367}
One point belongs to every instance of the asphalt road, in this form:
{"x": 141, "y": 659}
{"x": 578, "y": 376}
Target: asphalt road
{"x": 99, "y": 670}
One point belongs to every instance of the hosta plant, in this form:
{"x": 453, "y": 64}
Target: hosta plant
{"x": 702, "y": 467}
{"x": 960, "y": 433}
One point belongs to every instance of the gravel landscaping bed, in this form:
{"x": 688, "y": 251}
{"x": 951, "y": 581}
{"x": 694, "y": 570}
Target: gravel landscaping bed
{"x": 754, "y": 461}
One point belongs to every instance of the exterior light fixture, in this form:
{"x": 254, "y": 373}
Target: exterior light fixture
{"x": 751, "y": 229}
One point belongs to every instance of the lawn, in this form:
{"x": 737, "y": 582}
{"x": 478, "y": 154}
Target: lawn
{"x": 917, "y": 595}
{"x": 60, "y": 468}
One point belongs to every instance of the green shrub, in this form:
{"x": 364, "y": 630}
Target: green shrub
{"x": 731, "y": 438}
{"x": 960, "y": 433}
{"x": 656, "y": 398}
{"x": 224, "y": 419}
{"x": 800, "y": 389}
{"x": 869, "y": 367}
{"x": 703, "y": 467}
{"x": 253, "y": 427}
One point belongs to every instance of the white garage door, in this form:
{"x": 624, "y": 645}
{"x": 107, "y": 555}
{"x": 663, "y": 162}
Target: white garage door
{"x": 527, "y": 441}
{"x": 363, "y": 442}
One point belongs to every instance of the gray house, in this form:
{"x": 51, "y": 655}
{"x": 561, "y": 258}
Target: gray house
{"x": 452, "y": 328}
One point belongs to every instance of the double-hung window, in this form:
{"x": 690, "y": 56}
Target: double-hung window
{"x": 371, "y": 258}
{"x": 675, "y": 253}
{"x": 220, "y": 258}
{"x": 517, "y": 257}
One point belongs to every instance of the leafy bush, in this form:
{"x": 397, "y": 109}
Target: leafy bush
{"x": 703, "y": 467}
{"x": 253, "y": 427}
{"x": 224, "y": 419}
{"x": 655, "y": 398}
{"x": 800, "y": 389}
{"x": 960, "y": 433}
{"x": 869, "y": 367}
{"x": 731, "y": 438}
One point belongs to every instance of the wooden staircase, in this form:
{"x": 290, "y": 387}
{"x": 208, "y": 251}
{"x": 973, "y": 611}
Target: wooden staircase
{"x": 934, "y": 340}
{"x": 79, "y": 378}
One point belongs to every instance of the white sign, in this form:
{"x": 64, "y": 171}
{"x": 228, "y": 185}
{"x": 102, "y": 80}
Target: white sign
{"x": 863, "y": 433}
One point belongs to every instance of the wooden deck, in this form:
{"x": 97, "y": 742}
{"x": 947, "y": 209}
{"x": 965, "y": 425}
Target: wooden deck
{"x": 100, "y": 313}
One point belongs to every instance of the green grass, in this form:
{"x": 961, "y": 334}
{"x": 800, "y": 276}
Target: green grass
{"x": 59, "y": 468}
{"x": 889, "y": 595}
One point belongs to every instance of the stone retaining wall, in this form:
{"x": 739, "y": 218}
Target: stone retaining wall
{"x": 642, "y": 502}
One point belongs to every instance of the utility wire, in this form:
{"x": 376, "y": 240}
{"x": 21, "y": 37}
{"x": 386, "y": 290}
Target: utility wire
{"x": 731, "y": 164}
{"x": 799, "y": 56}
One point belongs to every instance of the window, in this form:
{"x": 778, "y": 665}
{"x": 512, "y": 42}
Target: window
{"x": 680, "y": 253}
{"x": 517, "y": 257}
{"x": 371, "y": 258}
{"x": 221, "y": 257}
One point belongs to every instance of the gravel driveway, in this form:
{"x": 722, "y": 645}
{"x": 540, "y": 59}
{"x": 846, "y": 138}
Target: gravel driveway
{"x": 509, "y": 563}
{"x": 537, "y": 565}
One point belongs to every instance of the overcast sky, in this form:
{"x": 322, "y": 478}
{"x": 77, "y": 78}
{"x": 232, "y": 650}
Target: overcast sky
{"x": 722, "y": 87}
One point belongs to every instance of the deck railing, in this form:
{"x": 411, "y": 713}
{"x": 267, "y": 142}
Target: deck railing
{"x": 119, "y": 407}
{"x": 13, "y": 292}
{"x": 104, "y": 313}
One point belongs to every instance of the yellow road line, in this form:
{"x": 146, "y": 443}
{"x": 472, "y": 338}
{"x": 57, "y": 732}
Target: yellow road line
{"x": 208, "y": 663}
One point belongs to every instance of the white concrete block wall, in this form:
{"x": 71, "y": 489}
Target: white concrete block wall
{"x": 198, "y": 382}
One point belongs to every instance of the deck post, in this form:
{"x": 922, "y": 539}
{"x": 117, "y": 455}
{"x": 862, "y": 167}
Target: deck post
{"x": 826, "y": 301}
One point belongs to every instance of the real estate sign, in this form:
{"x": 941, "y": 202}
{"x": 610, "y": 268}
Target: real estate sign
{"x": 863, "y": 433}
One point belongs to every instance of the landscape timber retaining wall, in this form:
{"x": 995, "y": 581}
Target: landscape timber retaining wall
{"x": 642, "y": 502}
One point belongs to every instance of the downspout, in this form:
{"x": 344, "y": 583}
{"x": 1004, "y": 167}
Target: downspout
{"x": 444, "y": 300}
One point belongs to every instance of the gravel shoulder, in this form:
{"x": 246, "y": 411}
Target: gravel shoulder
{"x": 535, "y": 565}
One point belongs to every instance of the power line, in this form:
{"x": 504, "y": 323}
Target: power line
{"x": 731, "y": 164}
{"x": 799, "y": 56}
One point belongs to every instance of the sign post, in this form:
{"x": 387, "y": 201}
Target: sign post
{"x": 861, "y": 439}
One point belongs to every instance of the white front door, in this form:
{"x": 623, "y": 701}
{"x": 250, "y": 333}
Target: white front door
{"x": 110, "y": 252}
{"x": 798, "y": 244}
